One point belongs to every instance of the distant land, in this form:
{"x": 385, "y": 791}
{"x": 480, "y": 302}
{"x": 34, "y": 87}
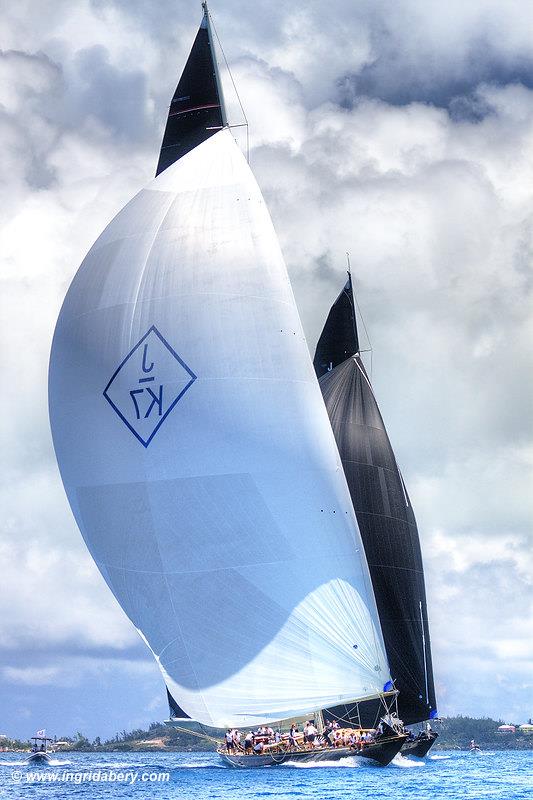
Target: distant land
{"x": 455, "y": 733}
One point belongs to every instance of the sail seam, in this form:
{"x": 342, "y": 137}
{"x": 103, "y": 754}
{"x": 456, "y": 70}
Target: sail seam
{"x": 298, "y": 559}
{"x": 187, "y": 111}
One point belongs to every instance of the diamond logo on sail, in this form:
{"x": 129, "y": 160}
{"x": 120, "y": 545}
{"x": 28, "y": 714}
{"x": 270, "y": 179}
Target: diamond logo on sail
{"x": 147, "y": 385}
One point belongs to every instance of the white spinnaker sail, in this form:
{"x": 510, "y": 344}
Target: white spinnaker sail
{"x": 198, "y": 458}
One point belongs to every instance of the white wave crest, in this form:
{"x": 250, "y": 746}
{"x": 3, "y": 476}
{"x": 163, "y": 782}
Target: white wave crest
{"x": 401, "y": 761}
{"x": 351, "y": 762}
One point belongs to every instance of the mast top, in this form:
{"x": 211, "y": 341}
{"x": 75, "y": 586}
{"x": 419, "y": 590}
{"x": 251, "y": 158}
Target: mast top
{"x": 206, "y": 23}
{"x": 352, "y": 300}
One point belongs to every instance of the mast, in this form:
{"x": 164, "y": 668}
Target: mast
{"x": 351, "y": 297}
{"x": 207, "y": 17}
{"x": 424, "y": 649}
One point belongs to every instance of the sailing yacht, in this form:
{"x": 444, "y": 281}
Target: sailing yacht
{"x": 196, "y": 450}
{"x": 385, "y": 518}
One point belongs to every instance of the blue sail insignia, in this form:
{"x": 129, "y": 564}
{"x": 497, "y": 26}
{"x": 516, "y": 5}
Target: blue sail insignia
{"x": 147, "y": 385}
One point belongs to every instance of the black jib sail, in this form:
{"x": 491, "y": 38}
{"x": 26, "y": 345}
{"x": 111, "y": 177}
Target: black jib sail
{"x": 197, "y": 108}
{"x": 339, "y": 338}
{"x": 384, "y": 514}
{"x": 175, "y": 710}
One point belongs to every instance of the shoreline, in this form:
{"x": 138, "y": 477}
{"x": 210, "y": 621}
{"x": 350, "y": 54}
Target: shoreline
{"x": 125, "y": 748}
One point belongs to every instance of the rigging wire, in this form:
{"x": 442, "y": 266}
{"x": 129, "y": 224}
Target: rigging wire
{"x": 246, "y": 124}
{"x": 190, "y": 732}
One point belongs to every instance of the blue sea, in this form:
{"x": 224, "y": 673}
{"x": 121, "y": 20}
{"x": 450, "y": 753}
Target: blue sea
{"x": 195, "y": 776}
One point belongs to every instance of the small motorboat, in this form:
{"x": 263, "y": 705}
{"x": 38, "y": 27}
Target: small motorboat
{"x": 39, "y": 757}
{"x": 474, "y": 748}
{"x": 40, "y": 754}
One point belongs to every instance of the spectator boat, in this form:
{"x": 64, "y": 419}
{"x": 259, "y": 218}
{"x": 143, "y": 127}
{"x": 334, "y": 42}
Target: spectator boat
{"x": 39, "y": 751}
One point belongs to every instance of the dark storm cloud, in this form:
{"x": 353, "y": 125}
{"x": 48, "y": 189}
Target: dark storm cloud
{"x": 399, "y": 53}
{"x": 116, "y": 98}
{"x": 89, "y": 87}
{"x": 322, "y": 269}
{"x": 397, "y": 80}
{"x": 28, "y": 79}
{"x": 56, "y": 97}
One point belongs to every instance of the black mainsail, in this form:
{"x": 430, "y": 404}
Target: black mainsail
{"x": 197, "y": 108}
{"x": 384, "y": 514}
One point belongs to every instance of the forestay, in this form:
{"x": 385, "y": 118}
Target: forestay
{"x": 198, "y": 457}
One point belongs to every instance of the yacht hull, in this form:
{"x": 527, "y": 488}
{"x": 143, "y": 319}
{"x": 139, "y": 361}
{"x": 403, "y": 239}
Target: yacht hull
{"x": 382, "y": 752}
{"x": 39, "y": 758}
{"x": 420, "y": 746}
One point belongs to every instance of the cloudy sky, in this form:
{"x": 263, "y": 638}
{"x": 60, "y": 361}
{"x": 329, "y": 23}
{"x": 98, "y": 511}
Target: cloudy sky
{"x": 398, "y": 130}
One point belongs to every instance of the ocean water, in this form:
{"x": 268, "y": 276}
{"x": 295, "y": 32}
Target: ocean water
{"x": 195, "y": 776}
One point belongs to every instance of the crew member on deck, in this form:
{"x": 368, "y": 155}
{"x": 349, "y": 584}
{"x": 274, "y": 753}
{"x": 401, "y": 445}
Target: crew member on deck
{"x": 292, "y": 736}
{"x": 311, "y": 734}
{"x": 229, "y": 741}
{"x": 327, "y": 733}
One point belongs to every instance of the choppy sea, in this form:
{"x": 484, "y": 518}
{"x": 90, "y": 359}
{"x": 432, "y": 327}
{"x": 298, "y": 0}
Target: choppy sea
{"x": 195, "y": 776}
